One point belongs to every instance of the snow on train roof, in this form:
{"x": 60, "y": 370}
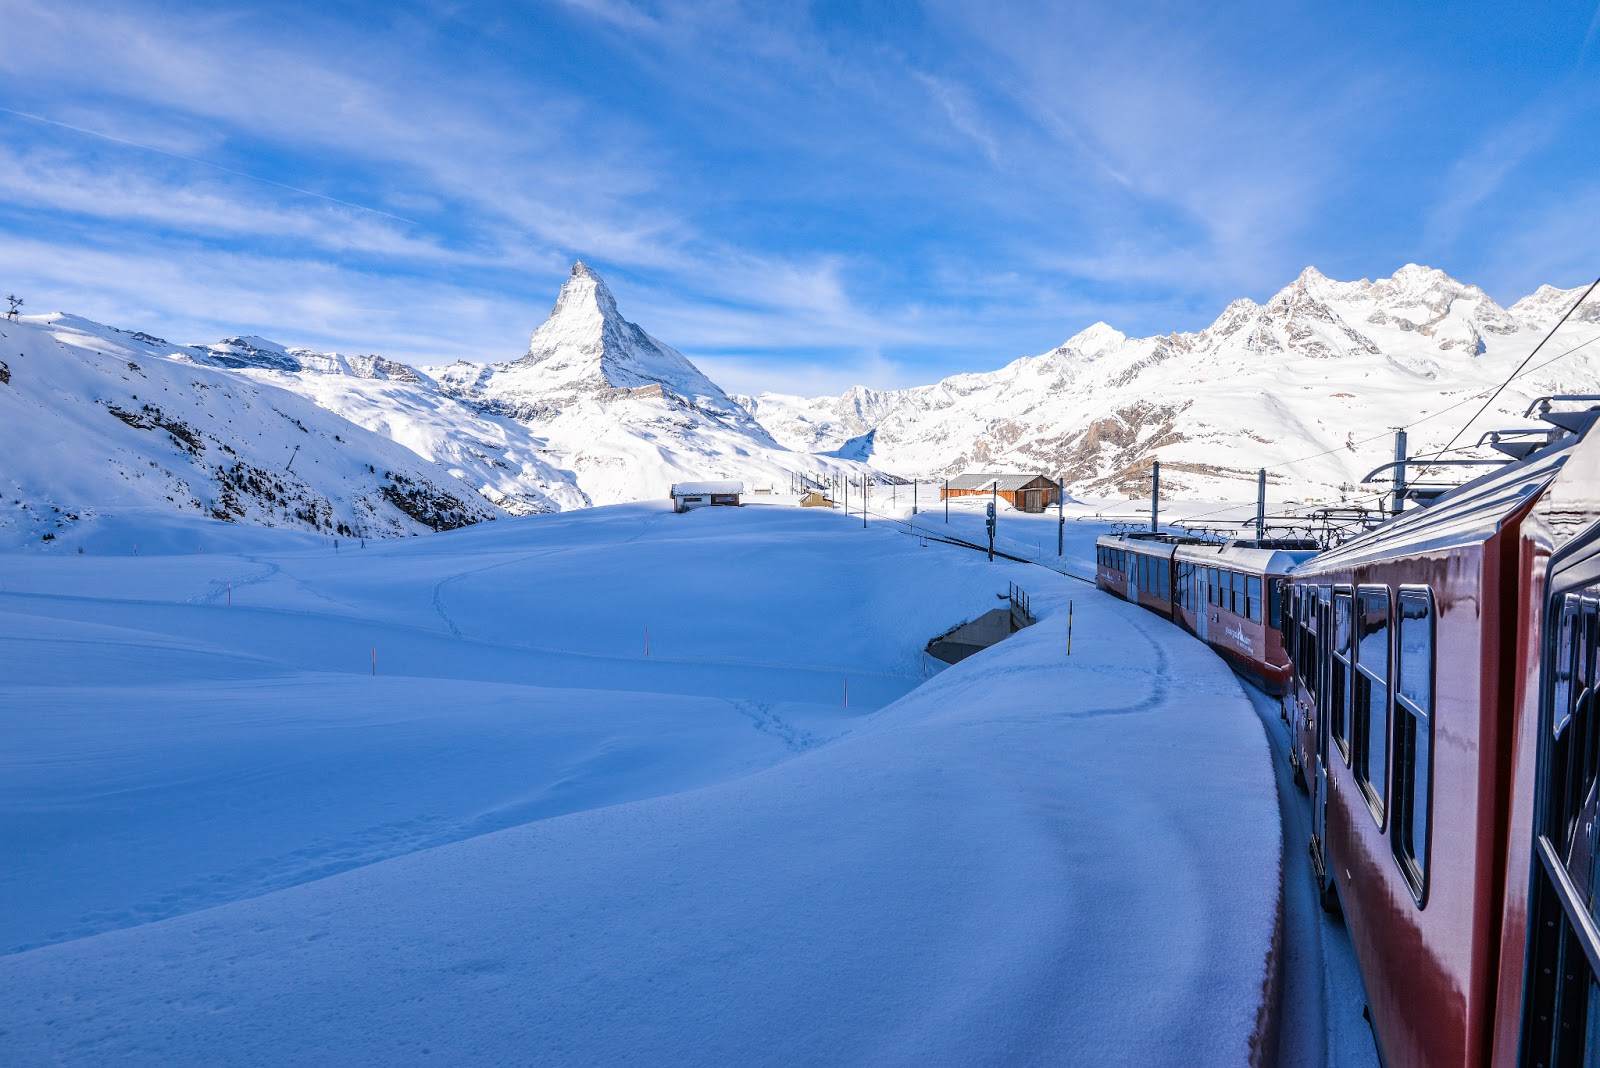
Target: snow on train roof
{"x": 1469, "y": 513}
{"x": 1245, "y": 557}
{"x": 1212, "y": 554}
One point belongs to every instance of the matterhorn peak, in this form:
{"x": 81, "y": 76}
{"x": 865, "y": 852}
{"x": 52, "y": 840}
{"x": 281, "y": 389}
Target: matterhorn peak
{"x": 584, "y": 295}
{"x": 586, "y": 350}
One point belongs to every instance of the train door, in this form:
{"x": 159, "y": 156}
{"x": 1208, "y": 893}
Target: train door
{"x": 1561, "y": 997}
{"x": 1326, "y": 894}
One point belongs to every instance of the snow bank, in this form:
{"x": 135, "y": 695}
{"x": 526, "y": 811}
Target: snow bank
{"x": 693, "y": 857}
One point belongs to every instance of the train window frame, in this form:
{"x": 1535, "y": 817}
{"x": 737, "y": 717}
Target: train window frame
{"x": 1409, "y": 723}
{"x": 1563, "y": 957}
{"x": 1367, "y": 681}
{"x": 1254, "y": 598}
{"x": 1340, "y": 680}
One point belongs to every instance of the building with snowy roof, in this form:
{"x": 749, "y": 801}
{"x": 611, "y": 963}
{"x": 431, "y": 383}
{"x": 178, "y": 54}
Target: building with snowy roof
{"x": 1024, "y": 492}
{"x": 687, "y": 495}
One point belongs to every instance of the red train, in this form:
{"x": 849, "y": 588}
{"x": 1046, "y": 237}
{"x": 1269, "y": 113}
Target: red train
{"x": 1228, "y": 595}
{"x": 1442, "y": 694}
{"x": 1441, "y": 706}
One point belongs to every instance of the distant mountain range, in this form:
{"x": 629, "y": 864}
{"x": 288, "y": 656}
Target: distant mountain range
{"x": 94, "y": 419}
{"x": 1318, "y": 369}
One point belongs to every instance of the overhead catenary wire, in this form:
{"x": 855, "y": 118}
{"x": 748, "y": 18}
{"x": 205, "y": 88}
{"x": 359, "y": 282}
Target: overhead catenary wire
{"x": 1513, "y": 375}
{"x": 1493, "y": 393}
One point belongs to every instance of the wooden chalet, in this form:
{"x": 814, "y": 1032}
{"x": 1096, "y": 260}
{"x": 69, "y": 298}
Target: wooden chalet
{"x": 1024, "y": 492}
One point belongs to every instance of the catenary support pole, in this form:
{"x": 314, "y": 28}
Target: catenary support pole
{"x": 1155, "y": 496}
{"x": 1399, "y": 471}
{"x": 1261, "y": 504}
{"x": 946, "y": 501}
{"x": 913, "y": 496}
{"x": 1061, "y": 516}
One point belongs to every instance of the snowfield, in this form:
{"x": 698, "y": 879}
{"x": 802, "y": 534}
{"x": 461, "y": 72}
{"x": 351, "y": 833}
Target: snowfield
{"x": 527, "y": 840}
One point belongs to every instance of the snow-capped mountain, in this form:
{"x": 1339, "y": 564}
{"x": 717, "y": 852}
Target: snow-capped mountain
{"x": 97, "y": 422}
{"x": 102, "y": 420}
{"x": 1319, "y": 369}
{"x": 626, "y": 414}
{"x": 96, "y": 419}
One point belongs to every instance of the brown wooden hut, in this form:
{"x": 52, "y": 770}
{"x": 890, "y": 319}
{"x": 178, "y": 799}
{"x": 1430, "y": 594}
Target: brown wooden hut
{"x": 1026, "y": 493}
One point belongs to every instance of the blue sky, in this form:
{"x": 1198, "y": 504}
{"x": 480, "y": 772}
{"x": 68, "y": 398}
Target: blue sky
{"x": 798, "y": 197}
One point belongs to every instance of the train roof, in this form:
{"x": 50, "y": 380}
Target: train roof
{"x": 1274, "y": 557}
{"x": 1146, "y": 542}
{"x": 1470, "y": 513}
{"x": 1245, "y": 556}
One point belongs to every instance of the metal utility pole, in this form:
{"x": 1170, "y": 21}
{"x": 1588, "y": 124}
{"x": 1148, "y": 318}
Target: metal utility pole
{"x": 994, "y": 514}
{"x": 1155, "y": 496}
{"x": 1399, "y": 471}
{"x": 292, "y": 455}
{"x": 913, "y": 496}
{"x": 1261, "y": 503}
{"x": 947, "y": 500}
{"x": 863, "y": 502}
{"x": 1061, "y": 524}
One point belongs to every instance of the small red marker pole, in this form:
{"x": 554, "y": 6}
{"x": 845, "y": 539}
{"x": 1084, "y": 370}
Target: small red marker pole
{"x": 847, "y": 693}
{"x": 374, "y": 661}
{"x": 230, "y": 595}
{"x": 647, "y": 641}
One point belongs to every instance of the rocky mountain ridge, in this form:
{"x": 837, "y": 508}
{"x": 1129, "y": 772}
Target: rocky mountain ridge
{"x": 1321, "y": 367}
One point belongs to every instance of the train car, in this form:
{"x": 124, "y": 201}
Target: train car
{"x": 1230, "y": 596}
{"x": 1137, "y": 567}
{"x": 1226, "y": 594}
{"x": 1440, "y": 705}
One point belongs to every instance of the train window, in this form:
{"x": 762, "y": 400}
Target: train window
{"x": 1561, "y": 1016}
{"x": 1310, "y": 647}
{"x": 1369, "y": 704}
{"x": 1253, "y": 595}
{"x": 1164, "y": 579}
{"x": 1275, "y": 591}
{"x": 1339, "y": 678}
{"x": 1411, "y": 800}
{"x": 1240, "y": 600}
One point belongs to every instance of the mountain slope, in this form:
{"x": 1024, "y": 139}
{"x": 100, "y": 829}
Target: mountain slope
{"x": 95, "y": 422}
{"x": 1317, "y": 369}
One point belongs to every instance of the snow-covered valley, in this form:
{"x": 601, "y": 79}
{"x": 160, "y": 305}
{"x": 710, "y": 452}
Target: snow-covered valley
{"x": 524, "y": 834}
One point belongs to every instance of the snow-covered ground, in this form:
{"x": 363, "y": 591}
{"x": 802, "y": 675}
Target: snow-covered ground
{"x": 527, "y": 839}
